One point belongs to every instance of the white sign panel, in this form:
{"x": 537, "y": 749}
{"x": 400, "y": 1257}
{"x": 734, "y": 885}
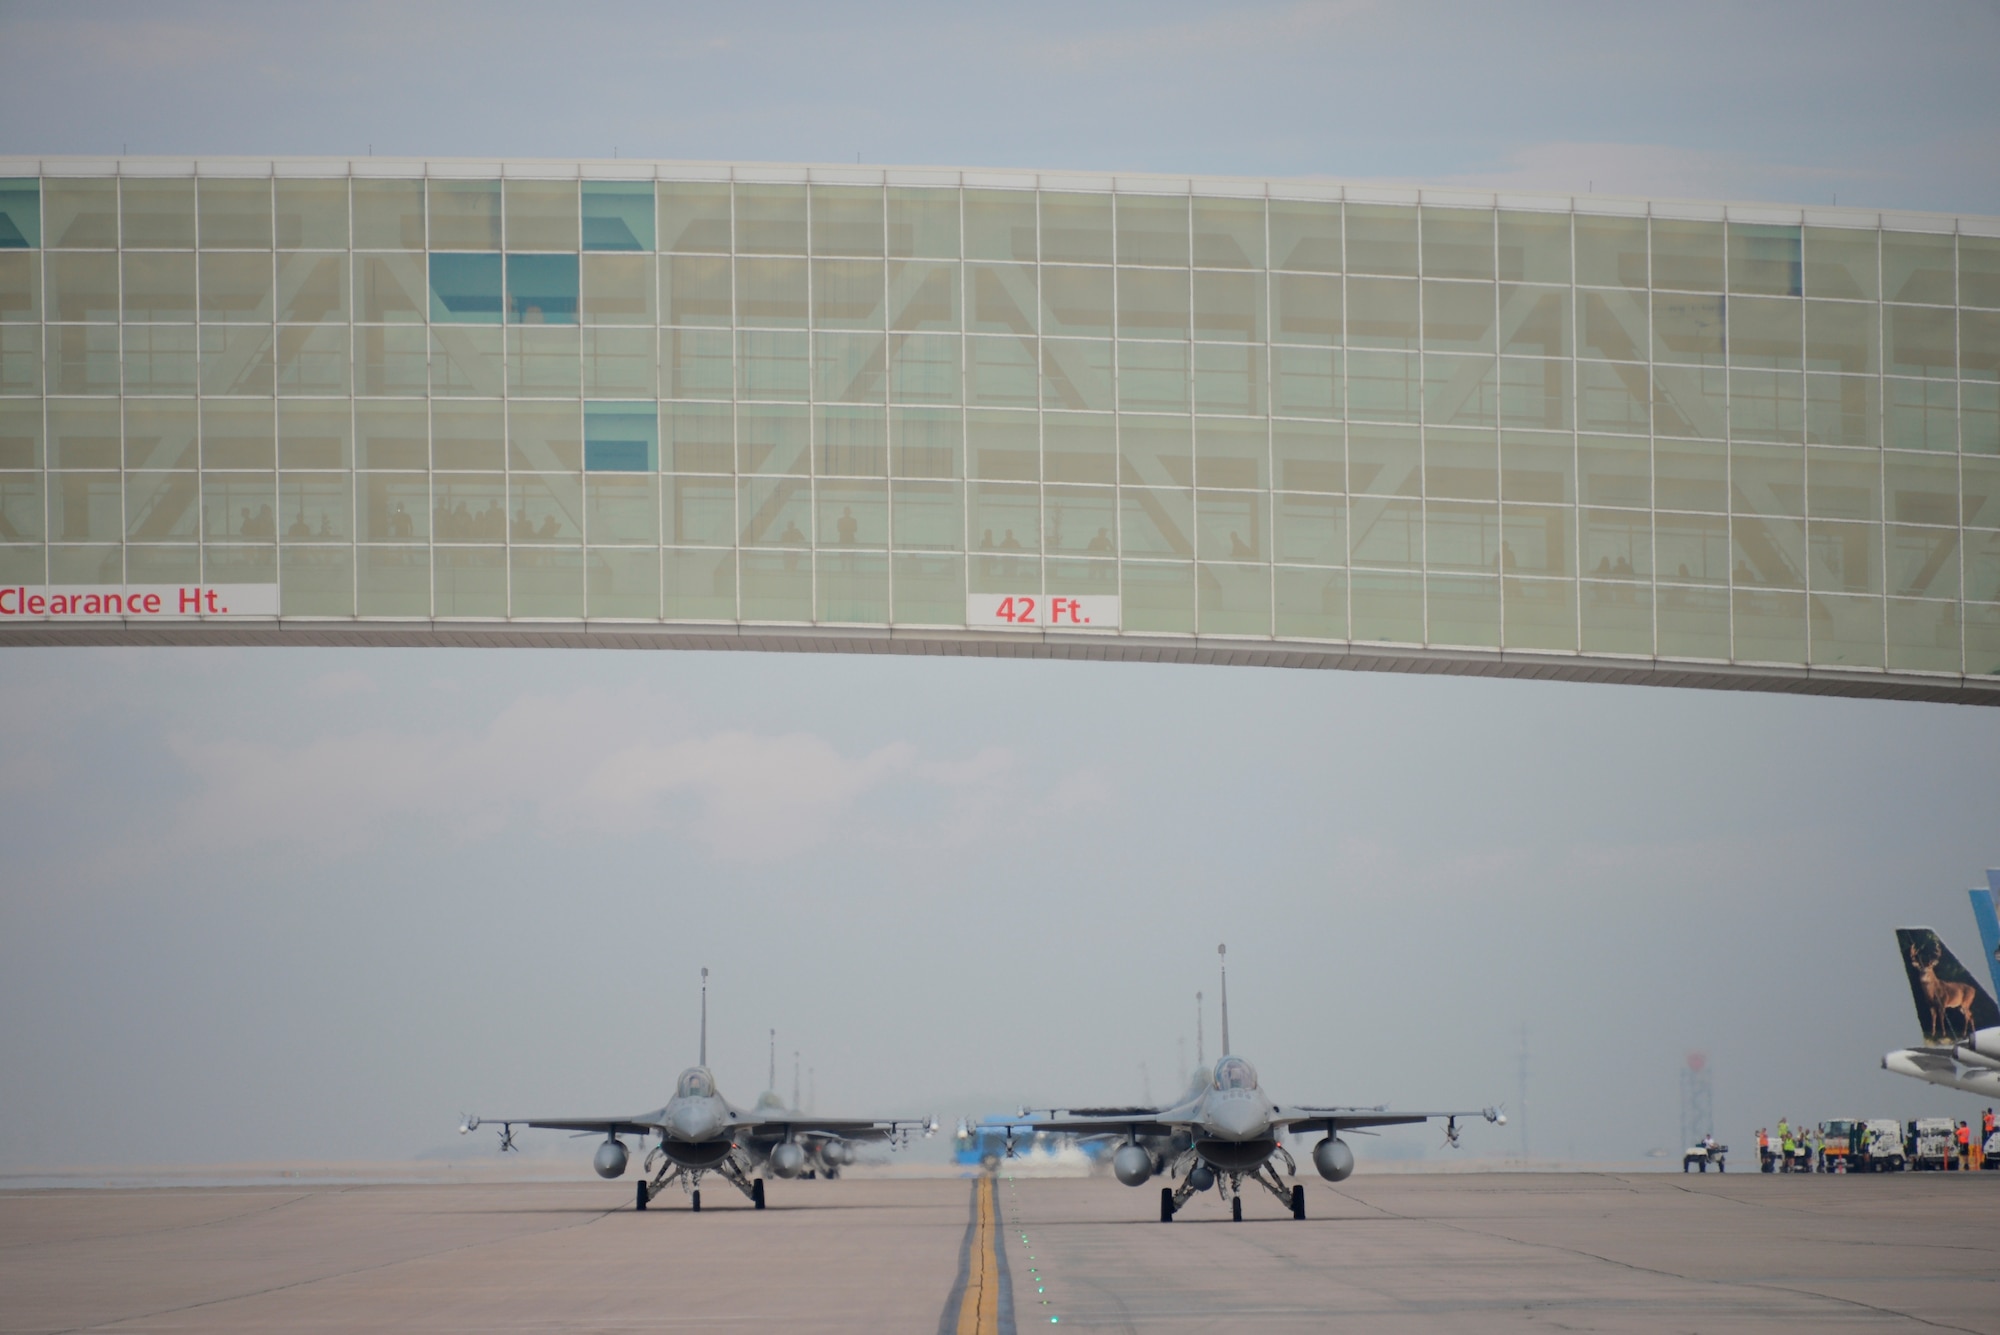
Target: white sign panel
{"x": 136, "y": 602}
{"x": 1043, "y": 611}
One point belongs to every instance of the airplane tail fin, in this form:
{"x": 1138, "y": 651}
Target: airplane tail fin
{"x": 1951, "y": 1004}
{"x": 1989, "y": 927}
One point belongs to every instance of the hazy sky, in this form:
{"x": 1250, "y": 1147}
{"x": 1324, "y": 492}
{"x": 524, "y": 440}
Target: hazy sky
{"x": 300, "y": 903}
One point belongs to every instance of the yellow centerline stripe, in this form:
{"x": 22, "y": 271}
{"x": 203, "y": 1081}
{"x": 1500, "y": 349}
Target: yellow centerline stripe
{"x": 979, "y": 1310}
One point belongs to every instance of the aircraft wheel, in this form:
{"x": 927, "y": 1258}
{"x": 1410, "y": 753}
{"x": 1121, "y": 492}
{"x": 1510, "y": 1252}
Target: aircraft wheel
{"x": 1166, "y": 1205}
{"x": 757, "y": 1194}
{"x": 696, "y": 1197}
{"x": 642, "y": 1197}
{"x": 1236, "y": 1208}
{"x": 1298, "y": 1202}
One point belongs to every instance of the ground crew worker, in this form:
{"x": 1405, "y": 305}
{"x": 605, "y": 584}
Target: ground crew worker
{"x": 1964, "y": 1145}
{"x": 1986, "y": 1123}
{"x": 1763, "y": 1149}
{"x": 1785, "y": 1147}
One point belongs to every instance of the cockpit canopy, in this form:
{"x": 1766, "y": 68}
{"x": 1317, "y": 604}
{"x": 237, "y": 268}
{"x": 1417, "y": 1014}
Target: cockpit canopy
{"x": 1234, "y": 1073}
{"x": 695, "y": 1083}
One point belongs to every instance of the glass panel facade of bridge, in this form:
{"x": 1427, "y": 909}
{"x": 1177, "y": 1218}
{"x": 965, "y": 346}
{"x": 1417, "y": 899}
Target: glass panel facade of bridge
{"x": 1268, "y": 411}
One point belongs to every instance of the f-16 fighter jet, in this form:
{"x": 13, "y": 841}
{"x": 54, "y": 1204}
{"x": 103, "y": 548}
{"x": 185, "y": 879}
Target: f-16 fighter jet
{"x": 1230, "y": 1129}
{"x": 793, "y": 1152}
{"x": 701, "y": 1132}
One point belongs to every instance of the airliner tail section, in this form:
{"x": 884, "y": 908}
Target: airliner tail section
{"x": 1951, "y": 1005}
{"x": 1989, "y": 926}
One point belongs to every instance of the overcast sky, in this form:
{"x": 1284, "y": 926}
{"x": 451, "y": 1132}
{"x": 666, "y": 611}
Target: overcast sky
{"x": 304, "y": 903}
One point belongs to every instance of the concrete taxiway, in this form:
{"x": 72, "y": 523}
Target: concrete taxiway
{"x": 1401, "y": 1252}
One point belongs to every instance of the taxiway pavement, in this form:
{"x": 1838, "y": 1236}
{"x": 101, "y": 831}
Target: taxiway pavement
{"x": 1394, "y": 1252}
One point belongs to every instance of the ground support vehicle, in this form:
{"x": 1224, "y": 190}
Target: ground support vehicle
{"x": 1933, "y": 1143}
{"x": 1991, "y": 1155}
{"x": 1701, "y": 1156}
{"x": 1881, "y": 1147}
{"x": 1837, "y": 1144}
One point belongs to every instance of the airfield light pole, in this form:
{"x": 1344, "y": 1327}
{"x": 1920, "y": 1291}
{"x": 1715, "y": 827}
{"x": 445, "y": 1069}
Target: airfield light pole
{"x": 1521, "y": 1103}
{"x": 1697, "y": 1099}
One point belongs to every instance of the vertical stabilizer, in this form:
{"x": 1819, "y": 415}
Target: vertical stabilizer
{"x": 1222, "y": 953}
{"x": 1989, "y": 926}
{"x": 1200, "y": 1036}
{"x": 1951, "y": 1005}
{"x": 704, "y": 1019}
{"x": 772, "y": 1083}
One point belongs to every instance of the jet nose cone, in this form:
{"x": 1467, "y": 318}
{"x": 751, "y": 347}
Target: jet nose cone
{"x": 1239, "y": 1119}
{"x": 693, "y": 1122}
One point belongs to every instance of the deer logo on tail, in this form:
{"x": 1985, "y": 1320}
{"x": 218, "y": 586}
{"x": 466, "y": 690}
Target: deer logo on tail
{"x": 1951, "y": 1005}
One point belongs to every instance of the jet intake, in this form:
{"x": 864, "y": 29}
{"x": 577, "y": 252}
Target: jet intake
{"x": 610, "y": 1160}
{"x": 788, "y": 1160}
{"x": 1132, "y": 1165}
{"x": 1987, "y": 1043}
{"x": 1333, "y": 1159}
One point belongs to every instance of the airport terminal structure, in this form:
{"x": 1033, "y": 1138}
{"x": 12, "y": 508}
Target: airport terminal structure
{"x": 398, "y": 401}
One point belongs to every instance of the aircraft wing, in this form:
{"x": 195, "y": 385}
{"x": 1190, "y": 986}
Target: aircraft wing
{"x": 639, "y": 1125}
{"x": 1100, "y": 1122}
{"x": 853, "y": 1128}
{"x": 1306, "y": 1117}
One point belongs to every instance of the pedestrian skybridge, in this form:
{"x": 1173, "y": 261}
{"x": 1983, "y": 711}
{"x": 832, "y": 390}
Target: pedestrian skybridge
{"x": 629, "y": 404}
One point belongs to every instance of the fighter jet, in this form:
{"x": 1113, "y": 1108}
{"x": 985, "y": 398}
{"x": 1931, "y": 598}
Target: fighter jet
{"x": 1230, "y": 1129}
{"x": 804, "y": 1153}
{"x": 701, "y": 1132}
{"x": 1960, "y": 1023}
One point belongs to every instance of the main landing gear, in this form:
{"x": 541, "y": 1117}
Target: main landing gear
{"x": 1231, "y": 1186}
